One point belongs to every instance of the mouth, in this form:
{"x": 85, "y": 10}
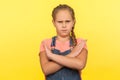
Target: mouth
{"x": 64, "y": 30}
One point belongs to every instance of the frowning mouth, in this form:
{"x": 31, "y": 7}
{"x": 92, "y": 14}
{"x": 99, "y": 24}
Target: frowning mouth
{"x": 64, "y": 30}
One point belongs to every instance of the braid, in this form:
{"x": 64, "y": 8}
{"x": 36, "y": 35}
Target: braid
{"x": 73, "y": 37}
{"x": 66, "y": 7}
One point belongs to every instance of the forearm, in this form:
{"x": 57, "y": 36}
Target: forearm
{"x": 51, "y": 66}
{"x": 71, "y": 62}
{"x": 60, "y": 61}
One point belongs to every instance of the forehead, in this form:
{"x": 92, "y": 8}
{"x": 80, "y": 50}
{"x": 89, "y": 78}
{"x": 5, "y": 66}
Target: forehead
{"x": 63, "y": 15}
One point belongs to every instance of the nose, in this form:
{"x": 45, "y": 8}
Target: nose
{"x": 64, "y": 25}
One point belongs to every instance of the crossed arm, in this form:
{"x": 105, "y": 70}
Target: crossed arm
{"x": 75, "y": 60}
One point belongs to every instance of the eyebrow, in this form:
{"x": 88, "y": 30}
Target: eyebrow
{"x": 62, "y": 20}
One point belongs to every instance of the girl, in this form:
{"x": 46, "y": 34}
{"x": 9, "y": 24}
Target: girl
{"x": 63, "y": 56}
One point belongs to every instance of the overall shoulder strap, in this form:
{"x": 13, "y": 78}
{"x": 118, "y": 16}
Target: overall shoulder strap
{"x": 53, "y": 41}
{"x": 71, "y": 42}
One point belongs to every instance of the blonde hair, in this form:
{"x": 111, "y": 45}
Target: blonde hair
{"x": 66, "y": 7}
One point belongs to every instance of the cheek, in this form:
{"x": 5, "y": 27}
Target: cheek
{"x": 69, "y": 29}
{"x": 57, "y": 24}
{"x": 70, "y": 26}
{"x": 71, "y": 23}
{"x": 57, "y": 27}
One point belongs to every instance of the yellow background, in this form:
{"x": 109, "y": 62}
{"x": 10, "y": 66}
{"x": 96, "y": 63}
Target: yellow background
{"x": 25, "y": 23}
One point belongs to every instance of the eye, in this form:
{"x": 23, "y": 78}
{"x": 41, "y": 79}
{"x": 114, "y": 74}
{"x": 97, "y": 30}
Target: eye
{"x": 59, "y": 21}
{"x": 67, "y": 21}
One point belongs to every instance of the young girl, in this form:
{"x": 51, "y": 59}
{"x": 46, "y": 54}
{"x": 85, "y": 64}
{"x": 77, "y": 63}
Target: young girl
{"x": 62, "y": 57}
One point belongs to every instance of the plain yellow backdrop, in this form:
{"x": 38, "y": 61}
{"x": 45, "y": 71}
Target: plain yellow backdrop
{"x": 25, "y": 23}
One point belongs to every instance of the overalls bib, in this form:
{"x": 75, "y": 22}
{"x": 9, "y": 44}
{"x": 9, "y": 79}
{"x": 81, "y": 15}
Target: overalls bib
{"x": 64, "y": 73}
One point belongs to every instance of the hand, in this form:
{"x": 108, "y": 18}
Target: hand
{"x": 48, "y": 51}
{"x": 78, "y": 48}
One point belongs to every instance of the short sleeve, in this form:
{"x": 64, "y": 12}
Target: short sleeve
{"x": 79, "y": 40}
{"x": 46, "y": 42}
{"x": 42, "y": 46}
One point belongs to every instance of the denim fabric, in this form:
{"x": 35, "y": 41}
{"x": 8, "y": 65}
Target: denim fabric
{"x": 64, "y": 73}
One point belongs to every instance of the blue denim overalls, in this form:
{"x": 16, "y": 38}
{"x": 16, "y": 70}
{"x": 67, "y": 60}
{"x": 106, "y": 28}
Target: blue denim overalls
{"x": 64, "y": 73}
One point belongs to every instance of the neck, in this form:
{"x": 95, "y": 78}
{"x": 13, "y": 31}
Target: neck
{"x": 63, "y": 39}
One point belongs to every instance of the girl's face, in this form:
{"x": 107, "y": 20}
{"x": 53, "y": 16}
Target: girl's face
{"x": 63, "y": 23}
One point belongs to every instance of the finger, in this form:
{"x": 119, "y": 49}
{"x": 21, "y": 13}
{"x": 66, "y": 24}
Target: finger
{"x": 46, "y": 48}
{"x": 82, "y": 43}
